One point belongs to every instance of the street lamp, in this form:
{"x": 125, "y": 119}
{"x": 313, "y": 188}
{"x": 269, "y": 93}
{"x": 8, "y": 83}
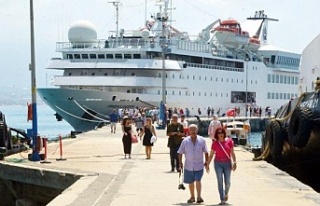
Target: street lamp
{"x": 164, "y": 47}
{"x": 246, "y": 100}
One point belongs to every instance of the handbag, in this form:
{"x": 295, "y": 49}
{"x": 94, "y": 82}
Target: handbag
{"x": 134, "y": 139}
{"x": 153, "y": 139}
{"x": 231, "y": 159}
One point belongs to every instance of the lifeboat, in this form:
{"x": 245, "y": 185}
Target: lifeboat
{"x": 254, "y": 44}
{"x": 230, "y": 34}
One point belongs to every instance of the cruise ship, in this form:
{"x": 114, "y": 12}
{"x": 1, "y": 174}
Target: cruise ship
{"x": 222, "y": 67}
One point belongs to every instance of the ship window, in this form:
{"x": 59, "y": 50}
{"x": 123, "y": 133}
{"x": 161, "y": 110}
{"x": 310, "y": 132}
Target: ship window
{"x": 241, "y": 80}
{"x": 277, "y": 95}
{"x": 285, "y": 79}
{"x": 93, "y": 56}
{"x": 292, "y": 80}
{"x": 272, "y": 95}
{"x": 172, "y": 92}
{"x": 205, "y": 94}
{"x": 216, "y": 94}
{"x": 77, "y": 56}
{"x": 166, "y": 75}
{"x": 251, "y": 81}
{"x": 221, "y": 79}
{"x": 159, "y": 74}
{"x": 180, "y": 76}
{"x": 166, "y": 92}
{"x": 137, "y": 56}
{"x": 273, "y": 78}
{"x": 118, "y": 56}
{"x": 193, "y": 77}
{"x": 211, "y": 78}
{"x": 221, "y": 94}
{"x": 172, "y": 75}
{"x": 101, "y": 56}
{"x": 296, "y": 80}
{"x": 281, "y": 79}
{"x": 127, "y": 56}
{"x": 187, "y": 76}
{"x": 105, "y": 74}
{"x": 237, "y": 80}
{"x": 84, "y": 56}
{"x": 186, "y": 93}
{"x": 268, "y": 95}
{"x": 205, "y": 78}
{"x": 70, "y": 74}
{"x": 284, "y": 95}
{"x": 92, "y": 74}
{"x": 128, "y": 91}
{"x": 133, "y": 74}
{"x": 69, "y": 56}
{"x": 159, "y": 92}
{"x": 288, "y": 95}
{"x": 109, "y": 56}
{"x": 289, "y": 82}
{"x": 210, "y": 94}
{"x": 277, "y": 78}
{"x": 280, "y": 95}
{"x": 227, "y": 80}
{"x": 193, "y": 93}
{"x": 256, "y": 82}
{"x": 180, "y": 93}
{"x": 216, "y": 79}
{"x": 269, "y": 78}
{"x": 199, "y": 77}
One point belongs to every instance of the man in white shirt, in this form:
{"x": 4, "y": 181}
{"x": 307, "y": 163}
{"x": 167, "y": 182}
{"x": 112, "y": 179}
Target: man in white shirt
{"x": 185, "y": 124}
{"x": 214, "y": 124}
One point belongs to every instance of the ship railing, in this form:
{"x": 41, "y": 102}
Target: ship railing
{"x": 137, "y": 43}
{"x": 207, "y": 66}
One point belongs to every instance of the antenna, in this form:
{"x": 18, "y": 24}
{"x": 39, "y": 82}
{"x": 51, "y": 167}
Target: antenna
{"x": 116, "y": 4}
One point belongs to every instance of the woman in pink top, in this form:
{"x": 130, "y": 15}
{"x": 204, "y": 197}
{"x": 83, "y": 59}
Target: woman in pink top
{"x": 223, "y": 150}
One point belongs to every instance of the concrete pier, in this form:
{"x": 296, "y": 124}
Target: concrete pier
{"x": 96, "y": 173}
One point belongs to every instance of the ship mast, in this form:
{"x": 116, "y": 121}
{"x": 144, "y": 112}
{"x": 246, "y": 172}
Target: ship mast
{"x": 116, "y": 4}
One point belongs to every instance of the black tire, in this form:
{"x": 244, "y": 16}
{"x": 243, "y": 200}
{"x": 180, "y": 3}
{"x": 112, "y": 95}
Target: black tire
{"x": 268, "y": 137}
{"x": 3, "y": 135}
{"x": 300, "y": 126}
{"x": 278, "y": 140}
{"x": 9, "y": 146}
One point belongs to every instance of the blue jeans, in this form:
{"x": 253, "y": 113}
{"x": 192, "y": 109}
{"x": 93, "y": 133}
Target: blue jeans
{"x": 223, "y": 172}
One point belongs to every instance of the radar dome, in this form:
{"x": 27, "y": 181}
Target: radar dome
{"x": 82, "y": 32}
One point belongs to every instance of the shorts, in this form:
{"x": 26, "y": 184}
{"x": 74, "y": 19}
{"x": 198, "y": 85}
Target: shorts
{"x": 191, "y": 176}
{"x": 113, "y": 124}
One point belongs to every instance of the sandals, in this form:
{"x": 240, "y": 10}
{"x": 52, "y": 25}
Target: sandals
{"x": 222, "y": 203}
{"x": 191, "y": 200}
{"x": 199, "y": 200}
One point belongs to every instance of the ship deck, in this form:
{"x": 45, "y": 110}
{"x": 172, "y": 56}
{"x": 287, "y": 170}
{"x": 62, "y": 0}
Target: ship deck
{"x": 106, "y": 178}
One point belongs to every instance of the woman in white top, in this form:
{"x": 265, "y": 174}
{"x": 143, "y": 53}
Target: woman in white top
{"x": 214, "y": 124}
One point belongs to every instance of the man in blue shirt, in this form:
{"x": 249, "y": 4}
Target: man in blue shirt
{"x": 194, "y": 148}
{"x": 113, "y": 121}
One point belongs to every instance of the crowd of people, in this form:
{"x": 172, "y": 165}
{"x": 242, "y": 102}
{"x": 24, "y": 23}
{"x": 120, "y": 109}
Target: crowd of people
{"x": 183, "y": 140}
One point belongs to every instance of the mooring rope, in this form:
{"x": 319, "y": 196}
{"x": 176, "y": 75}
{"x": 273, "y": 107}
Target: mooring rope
{"x": 77, "y": 117}
{"x": 92, "y": 115}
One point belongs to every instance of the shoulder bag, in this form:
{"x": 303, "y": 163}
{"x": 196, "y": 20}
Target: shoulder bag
{"x": 231, "y": 159}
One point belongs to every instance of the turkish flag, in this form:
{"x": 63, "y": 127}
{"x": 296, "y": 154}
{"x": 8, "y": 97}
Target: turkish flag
{"x": 230, "y": 112}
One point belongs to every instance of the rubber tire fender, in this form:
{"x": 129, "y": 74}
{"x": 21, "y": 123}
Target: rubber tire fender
{"x": 300, "y": 126}
{"x": 278, "y": 140}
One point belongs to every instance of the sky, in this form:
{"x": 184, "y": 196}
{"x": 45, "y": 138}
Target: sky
{"x": 298, "y": 25}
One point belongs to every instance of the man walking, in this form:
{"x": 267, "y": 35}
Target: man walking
{"x": 194, "y": 148}
{"x": 113, "y": 121}
{"x": 175, "y": 133}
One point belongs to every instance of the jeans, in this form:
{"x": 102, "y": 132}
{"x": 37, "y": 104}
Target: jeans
{"x": 174, "y": 156}
{"x": 223, "y": 172}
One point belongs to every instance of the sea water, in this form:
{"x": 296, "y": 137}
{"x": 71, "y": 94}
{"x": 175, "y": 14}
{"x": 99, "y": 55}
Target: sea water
{"x": 16, "y": 117}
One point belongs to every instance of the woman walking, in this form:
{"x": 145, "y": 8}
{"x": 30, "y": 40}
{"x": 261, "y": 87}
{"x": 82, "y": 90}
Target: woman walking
{"x": 223, "y": 150}
{"x": 147, "y": 132}
{"x": 126, "y": 138}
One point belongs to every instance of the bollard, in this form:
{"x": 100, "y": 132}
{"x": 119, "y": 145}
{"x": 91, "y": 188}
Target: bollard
{"x": 45, "y": 145}
{"x": 60, "y": 145}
